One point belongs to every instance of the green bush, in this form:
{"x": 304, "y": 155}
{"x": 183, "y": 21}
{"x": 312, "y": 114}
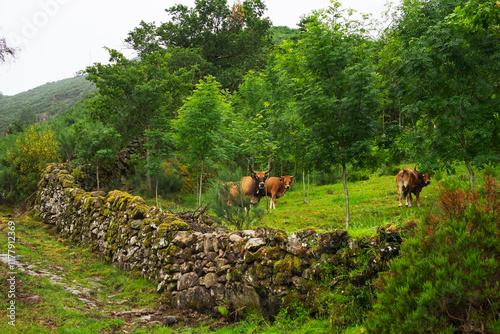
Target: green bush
{"x": 233, "y": 210}
{"x": 447, "y": 277}
{"x": 491, "y": 170}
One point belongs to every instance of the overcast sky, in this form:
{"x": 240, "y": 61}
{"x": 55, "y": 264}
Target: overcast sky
{"x": 58, "y": 38}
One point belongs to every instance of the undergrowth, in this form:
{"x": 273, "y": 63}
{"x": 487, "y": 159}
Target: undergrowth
{"x": 446, "y": 279}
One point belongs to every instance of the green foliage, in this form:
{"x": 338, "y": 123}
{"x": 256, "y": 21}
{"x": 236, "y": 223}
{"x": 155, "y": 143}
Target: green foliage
{"x": 360, "y": 175}
{"x": 95, "y": 144}
{"x": 167, "y": 183}
{"x": 234, "y": 209}
{"x": 337, "y": 89}
{"x": 32, "y": 150}
{"x": 199, "y": 126}
{"x": 141, "y": 97}
{"x": 135, "y": 96}
{"x": 478, "y": 16}
{"x": 230, "y": 40}
{"x": 446, "y": 278}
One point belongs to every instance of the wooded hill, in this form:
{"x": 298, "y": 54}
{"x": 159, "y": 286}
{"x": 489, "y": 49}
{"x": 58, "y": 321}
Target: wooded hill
{"x": 51, "y": 99}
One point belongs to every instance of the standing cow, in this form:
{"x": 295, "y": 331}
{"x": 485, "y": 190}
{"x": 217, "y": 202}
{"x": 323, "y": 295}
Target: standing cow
{"x": 276, "y": 187}
{"x": 251, "y": 186}
{"x": 411, "y": 181}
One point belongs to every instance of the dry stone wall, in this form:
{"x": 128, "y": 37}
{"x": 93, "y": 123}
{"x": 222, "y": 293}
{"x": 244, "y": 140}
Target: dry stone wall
{"x": 255, "y": 269}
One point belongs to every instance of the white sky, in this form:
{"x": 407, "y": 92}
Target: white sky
{"x": 58, "y": 38}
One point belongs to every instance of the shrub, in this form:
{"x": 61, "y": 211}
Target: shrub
{"x": 447, "y": 277}
{"x": 234, "y": 210}
{"x": 27, "y": 157}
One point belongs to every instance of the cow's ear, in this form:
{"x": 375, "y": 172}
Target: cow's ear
{"x": 282, "y": 179}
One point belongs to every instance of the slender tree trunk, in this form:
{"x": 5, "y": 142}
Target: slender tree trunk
{"x": 471, "y": 174}
{"x": 97, "y": 174}
{"x": 157, "y": 190}
{"x": 308, "y": 184}
{"x": 346, "y": 194}
{"x": 304, "y": 185}
{"x": 201, "y": 180}
{"x": 148, "y": 176}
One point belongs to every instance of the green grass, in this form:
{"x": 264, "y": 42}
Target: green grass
{"x": 372, "y": 203}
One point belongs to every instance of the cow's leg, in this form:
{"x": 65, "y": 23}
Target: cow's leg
{"x": 417, "y": 195}
{"x": 399, "y": 194}
{"x": 273, "y": 201}
{"x": 408, "y": 197}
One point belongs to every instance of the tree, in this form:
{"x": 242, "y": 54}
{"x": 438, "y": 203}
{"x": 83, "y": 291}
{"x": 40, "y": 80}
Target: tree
{"x": 159, "y": 144}
{"x": 231, "y": 40}
{"x": 137, "y": 96}
{"x": 450, "y": 76}
{"x": 338, "y": 90}
{"x": 96, "y": 144}
{"x": 198, "y": 126}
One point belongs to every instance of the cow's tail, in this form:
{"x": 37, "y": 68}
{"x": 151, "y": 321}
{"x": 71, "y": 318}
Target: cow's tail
{"x": 404, "y": 178}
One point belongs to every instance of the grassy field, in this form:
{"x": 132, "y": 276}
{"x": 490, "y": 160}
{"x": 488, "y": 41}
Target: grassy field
{"x": 66, "y": 289}
{"x": 373, "y": 202}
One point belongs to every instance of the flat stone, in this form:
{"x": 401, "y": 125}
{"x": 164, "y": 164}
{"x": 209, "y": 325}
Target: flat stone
{"x": 254, "y": 244}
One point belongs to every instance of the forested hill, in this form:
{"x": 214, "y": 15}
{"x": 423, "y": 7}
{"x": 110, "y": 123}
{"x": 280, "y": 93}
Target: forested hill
{"x": 51, "y": 99}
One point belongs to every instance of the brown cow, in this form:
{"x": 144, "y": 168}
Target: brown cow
{"x": 276, "y": 187}
{"x": 411, "y": 181}
{"x": 251, "y": 186}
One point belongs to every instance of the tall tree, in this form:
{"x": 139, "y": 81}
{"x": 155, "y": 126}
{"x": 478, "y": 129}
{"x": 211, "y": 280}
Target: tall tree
{"x": 159, "y": 144}
{"x": 199, "y": 126}
{"x": 338, "y": 90}
{"x": 232, "y": 40}
{"x": 451, "y": 77}
{"x": 137, "y": 96}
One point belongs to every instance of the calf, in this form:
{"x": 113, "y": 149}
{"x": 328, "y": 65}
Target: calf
{"x": 411, "y": 181}
{"x": 276, "y": 187}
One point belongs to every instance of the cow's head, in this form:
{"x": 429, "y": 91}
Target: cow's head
{"x": 425, "y": 178}
{"x": 288, "y": 180}
{"x": 260, "y": 177}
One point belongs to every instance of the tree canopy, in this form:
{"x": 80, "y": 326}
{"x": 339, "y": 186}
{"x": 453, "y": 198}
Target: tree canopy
{"x": 232, "y": 40}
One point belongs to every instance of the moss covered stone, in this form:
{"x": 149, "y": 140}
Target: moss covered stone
{"x": 173, "y": 226}
{"x": 288, "y": 266}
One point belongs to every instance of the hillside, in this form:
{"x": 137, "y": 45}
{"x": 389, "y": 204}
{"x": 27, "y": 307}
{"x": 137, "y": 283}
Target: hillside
{"x": 51, "y": 99}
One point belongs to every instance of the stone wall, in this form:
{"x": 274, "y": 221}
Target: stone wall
{"x": 255, "y": 269}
